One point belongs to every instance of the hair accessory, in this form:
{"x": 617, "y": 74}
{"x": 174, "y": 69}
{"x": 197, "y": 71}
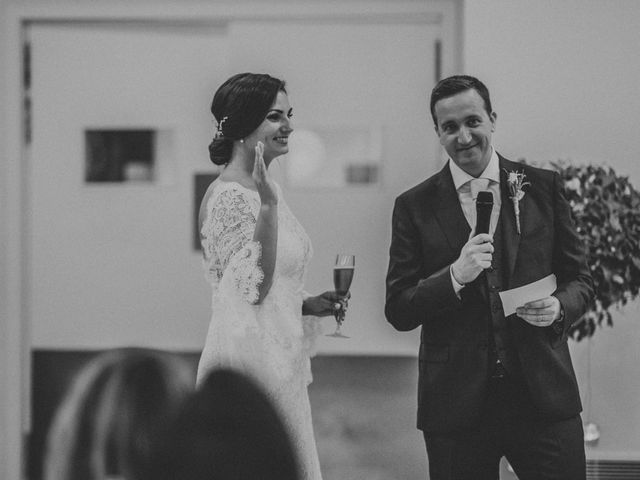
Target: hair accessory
{"x": 219, "y": 132}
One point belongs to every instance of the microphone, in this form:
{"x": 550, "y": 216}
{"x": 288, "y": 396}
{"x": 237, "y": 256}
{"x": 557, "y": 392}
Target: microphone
{"x": 484, "y": 205}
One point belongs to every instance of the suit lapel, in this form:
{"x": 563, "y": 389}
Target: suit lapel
{"x": 449, "y": 212}
{"x": 510, "y": 237}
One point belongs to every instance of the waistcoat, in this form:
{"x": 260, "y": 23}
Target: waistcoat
{"x": 501, "y": 345}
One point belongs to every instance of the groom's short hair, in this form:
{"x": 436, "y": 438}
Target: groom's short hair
{"x": 450, "y": 86}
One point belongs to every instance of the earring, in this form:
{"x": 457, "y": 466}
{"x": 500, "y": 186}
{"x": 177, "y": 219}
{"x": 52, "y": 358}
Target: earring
{"x": 242, "y": 140}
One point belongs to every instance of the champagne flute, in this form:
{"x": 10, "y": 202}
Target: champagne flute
{"x": 342, "y": 276}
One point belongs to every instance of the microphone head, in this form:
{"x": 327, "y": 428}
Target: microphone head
{"x": 485, "y": 197}
{"x": 484, "y": 206}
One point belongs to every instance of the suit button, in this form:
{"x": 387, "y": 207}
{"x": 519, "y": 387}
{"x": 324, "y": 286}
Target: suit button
{"x": 495, "y": 306}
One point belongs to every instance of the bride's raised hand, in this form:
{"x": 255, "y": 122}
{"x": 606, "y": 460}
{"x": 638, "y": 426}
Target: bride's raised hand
{"x": 265, "y": 185}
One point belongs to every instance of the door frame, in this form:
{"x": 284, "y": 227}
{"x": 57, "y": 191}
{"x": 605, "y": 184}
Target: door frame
{"x": 15, "y": 368}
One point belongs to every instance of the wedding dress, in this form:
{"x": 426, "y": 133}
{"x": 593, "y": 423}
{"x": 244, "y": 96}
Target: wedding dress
{"x": 271, "y": 341}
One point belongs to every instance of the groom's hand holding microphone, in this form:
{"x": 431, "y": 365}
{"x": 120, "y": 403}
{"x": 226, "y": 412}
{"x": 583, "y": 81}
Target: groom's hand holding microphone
{"x": 476, "y": 255}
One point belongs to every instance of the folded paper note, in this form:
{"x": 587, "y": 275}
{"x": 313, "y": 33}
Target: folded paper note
{"x": 517, "y": 297}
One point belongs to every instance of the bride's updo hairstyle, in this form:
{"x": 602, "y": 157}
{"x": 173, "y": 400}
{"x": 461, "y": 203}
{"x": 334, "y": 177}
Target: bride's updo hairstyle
{"x": 239, "y": 106}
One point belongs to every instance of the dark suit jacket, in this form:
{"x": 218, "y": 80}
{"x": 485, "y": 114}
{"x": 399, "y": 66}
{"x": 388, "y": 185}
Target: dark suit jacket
{"x": 429, "y": 230}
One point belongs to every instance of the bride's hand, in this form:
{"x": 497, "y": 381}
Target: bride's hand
{"x": 325, "y": 304}
{"x": 264, "y": 183}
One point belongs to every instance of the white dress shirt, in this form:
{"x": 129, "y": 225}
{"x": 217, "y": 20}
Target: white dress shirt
{"x": 468, "y": 186}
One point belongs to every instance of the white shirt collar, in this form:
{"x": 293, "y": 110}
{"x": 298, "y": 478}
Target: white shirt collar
{"x": 491, "y": 171}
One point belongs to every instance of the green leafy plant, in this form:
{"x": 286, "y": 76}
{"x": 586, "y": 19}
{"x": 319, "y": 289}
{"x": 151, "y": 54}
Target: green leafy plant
{"x": 606, "y": 209}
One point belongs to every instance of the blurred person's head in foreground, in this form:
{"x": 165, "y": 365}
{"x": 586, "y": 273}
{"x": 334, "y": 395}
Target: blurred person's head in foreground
{"x": 111, "y": 416}
{"x": 227, "y": 430}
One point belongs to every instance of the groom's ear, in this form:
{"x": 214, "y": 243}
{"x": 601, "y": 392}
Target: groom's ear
{"x": 494, "y": 119}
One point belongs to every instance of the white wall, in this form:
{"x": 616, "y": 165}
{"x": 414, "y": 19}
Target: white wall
{"x": 564, "y": 82}
{"x": 113, "y": 264}
{"x": 4, "y": 365}
{"x": 11, "y": 352}
{"x": 564, "y": 76}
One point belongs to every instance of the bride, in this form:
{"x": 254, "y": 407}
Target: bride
{"x": 255, "y": 256}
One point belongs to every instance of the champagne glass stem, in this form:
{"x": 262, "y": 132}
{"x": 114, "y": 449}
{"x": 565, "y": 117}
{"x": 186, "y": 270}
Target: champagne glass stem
{"x": 339, "y": 316}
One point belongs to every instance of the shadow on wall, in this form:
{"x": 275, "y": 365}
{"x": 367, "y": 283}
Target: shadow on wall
{"x": 364, "y": 412}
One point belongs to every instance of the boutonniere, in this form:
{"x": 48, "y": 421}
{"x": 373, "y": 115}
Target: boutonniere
{"x": 515, "y": 182}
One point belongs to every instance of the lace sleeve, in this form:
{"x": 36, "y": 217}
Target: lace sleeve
{"x": 233, "y": 221}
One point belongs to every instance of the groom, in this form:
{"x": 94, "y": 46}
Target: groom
{"x": 489, "y": 385}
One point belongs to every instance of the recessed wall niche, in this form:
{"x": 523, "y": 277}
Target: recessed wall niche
{"x": 126, "y": 155}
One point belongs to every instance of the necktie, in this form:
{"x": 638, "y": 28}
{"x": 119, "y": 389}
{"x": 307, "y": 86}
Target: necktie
{"x": 478, "y": 185}
{"x": 468, "y": 194}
